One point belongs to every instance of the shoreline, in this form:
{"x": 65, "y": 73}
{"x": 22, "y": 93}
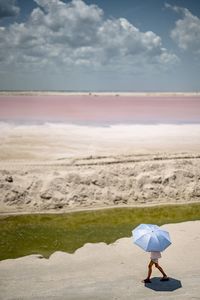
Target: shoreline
{"x": 128, "y": 94}
{"x": 87, "y": 209}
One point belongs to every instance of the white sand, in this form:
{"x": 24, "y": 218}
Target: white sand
{"x": 100, "y": 271}
{"x": 56, "y": 141}
{"x": 64, "y": 167}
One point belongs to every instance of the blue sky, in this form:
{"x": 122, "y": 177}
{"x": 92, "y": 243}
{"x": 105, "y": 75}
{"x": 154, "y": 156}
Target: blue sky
{"x": 100, "y": 45}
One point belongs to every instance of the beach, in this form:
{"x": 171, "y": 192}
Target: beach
{"x": 62, "y": 167}
{"x": 50, "y": 165}
{"x": 67, "y": 151}
{"x": 99, "y": 132}
{"x": 100, "y": 271}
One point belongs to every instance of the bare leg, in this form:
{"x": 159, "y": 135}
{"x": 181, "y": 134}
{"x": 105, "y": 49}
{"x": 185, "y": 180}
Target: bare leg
{"x": 147, "y": 280}
{"x": 160, "y": 269}
{"x": 149, "y": 272}
{"x": 150, "y": 269}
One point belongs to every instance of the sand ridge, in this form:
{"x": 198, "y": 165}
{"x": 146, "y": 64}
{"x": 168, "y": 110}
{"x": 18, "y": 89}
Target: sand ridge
{"x": 102, "y": 181}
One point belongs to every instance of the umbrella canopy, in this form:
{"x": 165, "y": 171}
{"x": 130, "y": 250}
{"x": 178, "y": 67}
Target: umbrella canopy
{"x": 151, "y": 237}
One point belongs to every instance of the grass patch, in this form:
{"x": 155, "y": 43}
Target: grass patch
{"x": 47, "y": 233}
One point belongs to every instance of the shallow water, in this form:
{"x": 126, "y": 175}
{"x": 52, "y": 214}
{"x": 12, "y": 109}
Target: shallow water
{"x": 100, "y": 109}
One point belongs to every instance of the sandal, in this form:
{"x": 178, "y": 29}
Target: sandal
{"x": 164, "y": 279}
{"x": 146, "y": 280}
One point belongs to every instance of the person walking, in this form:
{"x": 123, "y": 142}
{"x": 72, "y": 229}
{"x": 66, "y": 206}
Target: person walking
{"x": 155, "y": 255}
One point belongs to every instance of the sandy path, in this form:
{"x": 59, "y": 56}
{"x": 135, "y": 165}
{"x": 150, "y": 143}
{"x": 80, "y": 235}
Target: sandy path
{"x": 100, "y": 271}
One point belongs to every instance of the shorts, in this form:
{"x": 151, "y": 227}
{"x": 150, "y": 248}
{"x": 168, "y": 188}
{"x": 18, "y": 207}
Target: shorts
{"x": 155, "y": 260}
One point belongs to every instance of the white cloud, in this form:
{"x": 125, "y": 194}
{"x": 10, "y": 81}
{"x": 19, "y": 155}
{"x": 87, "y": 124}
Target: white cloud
{"x": 187, "y": 30}
{"x": 8, "y": 8}
{"x": 77, "y": 35}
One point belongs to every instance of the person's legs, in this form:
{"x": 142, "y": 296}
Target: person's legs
{"x": 162, "y": 271}
{"x": 149, "y": 272}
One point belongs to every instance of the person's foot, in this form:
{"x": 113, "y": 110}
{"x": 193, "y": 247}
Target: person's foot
{"x": 147, "y": 280}
{"x": 165, "y": 278}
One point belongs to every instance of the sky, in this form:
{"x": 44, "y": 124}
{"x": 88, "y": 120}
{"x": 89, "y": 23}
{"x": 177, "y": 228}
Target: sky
{"x": 100, "y": 45}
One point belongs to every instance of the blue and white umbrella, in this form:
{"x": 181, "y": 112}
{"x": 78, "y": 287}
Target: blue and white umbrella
{"x": 151, "y": 237}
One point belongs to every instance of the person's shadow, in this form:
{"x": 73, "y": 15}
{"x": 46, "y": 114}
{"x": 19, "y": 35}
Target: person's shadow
{"x": 165, "y": 286}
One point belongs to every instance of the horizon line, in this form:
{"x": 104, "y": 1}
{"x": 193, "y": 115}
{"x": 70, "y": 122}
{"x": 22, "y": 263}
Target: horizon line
{"x": 95, "y": 93}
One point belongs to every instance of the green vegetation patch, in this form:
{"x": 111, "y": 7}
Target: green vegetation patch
{"x": 46, "y": 233}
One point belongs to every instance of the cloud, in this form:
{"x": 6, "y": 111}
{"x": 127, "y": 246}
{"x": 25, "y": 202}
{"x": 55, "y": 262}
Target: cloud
{"x": 77, "y": 35}
{"x": 8, "y": 8}
{"x": 187, "y": 30}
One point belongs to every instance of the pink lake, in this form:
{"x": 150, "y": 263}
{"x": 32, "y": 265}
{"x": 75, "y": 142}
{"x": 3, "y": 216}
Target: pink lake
{"x": 101, "y": 109}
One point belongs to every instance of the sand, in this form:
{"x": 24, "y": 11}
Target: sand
{"x": 62, "y": 168}
{"x": 57, "y": 167}
{"x": 100, "y": 271}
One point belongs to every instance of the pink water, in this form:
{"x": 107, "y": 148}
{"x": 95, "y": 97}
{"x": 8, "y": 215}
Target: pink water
{"x": 100, "y": 109}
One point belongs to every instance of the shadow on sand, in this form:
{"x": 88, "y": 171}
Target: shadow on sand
{"x": 165, "y": 286}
